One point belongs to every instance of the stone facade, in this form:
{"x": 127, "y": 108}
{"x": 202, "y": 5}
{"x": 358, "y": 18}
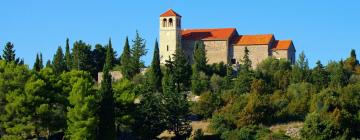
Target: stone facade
{"x": 221, "y": 44}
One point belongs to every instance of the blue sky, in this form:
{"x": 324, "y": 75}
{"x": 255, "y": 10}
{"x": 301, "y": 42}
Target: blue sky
{"x": 324, "y": 29}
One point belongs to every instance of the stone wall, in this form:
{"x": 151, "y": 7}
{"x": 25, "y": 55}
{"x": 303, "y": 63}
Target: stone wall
{"x": 216, "y": 50}
{"x": 257, "y": 53}
{"x": 115, "y": 75}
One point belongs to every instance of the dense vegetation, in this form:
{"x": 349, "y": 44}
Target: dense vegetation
{"x": 62, "y": 98}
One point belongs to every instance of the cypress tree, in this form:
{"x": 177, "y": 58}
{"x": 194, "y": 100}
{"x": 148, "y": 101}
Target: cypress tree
{"x": 246, "y": 60}
{"x": 68, "y": 59}
{"x": 75, "y": 55}
{"x": 59, "y": 64}
{"x": 9, "y": 52}
{"x": 138, "y": 50}
{"x": 155, "y": 73}
{"x": 41, "y": 63}
{"x": 99, "y": 55}
{"x": 200, "y": 59}
{"x": 106, "y": 111}
{"x": 37, "y": 63}
{"x": 113, "y": 53}
{"x": 127, "y": 69}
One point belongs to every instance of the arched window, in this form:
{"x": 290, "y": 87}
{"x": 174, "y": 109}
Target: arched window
{"x": 170, "y": 22}
{"x": 164, "y": 22}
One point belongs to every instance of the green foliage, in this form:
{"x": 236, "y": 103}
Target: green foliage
{"x": 127, "y": 68}
{"x": 138, "y": 50}
{"x": 107, "y": 106}
{"x": 300, "y": 71}
{"x": 155, "y": 74}
{"x": 9, "y": 52}
{"x": 200, "y": 59}
{"x": 319, "y": 76}
{"x": 198, "y": 135}
{"x": 59, "y": 64}
{"x": 217, "y": 83}
{"x": 68, "y": 57}
{"x": 252, "y": 132}
{"x": 337, "y": 75}
{"x": 151, "y": 116}
{"x": 199, "y": 82}
{"x": 246, "y": 60}
{"x": 208, "y": 103}
{"x": 82, "y": 58}
{"x": 299, "y": 96}
{"x": 37, "y": 65}
{"x": 99, "y": 56}
{"x": 181, "y": 70}
{"x": 243, "y": 82}
{"x": 81, "y": 116}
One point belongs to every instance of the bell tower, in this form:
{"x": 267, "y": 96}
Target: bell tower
{"x": 170, "y": 34}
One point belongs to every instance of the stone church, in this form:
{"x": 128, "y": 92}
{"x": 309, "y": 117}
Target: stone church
{"x": 221, "y": 44}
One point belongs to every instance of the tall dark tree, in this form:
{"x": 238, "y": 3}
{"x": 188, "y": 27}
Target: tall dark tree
{"x": 59, "y": 64}
{"x": 127, "y": 68}
{"x": 351, "y": 62}
{"x": 68, "y": 59}
{"x": 9, "y": 52}
{"x": 41, "y": 61}
{"x": 200, "y": 59}
{"x": 83, "y": 58}
{"x": 138, "y": 50}
{"x": 300, "y": 71}
{"x": 37, "y": 66}
{"x": 246, "y": 60}
{"x": 182, "y": 69}
{"x": 48, "y": 64}
{"x": 113, "y": 53}
{"x": 107, "y": 105}
{"x": 155, "y": 76}
{"x": 99, "y": 55}
{"x": 319, "y": 76}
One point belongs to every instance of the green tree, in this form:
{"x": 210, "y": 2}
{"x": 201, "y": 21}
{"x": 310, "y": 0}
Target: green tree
{"x": 81, "y": 116}
{"x": 9, "y": 52}
{"x": 41, "y": 61}
{"x": 82, "y": 58}
{"x": 138, "y": 50}
{"x": 37, "y": 66}
{"x": 300, "y": 71}
{"x": 59, "y": 64}
{"x": 182, "y": 70}
{"x": 127, "y": 68}
{"x": 112, "y": 52}
{"x": 48, "y": 64}
{"x": 155, "y": 75}
{"x": 207, "y": 105}
{"x": 107, "y": 106}
{"x": 319, "y": 76}
{"x": 68, "y": 57}
{"x": 200, "y": 59}
{"x": 246, "y": 60}
{"x": 243, "y": 82}
{"x": 351, "y": 62}
{"x": 99, "y": 55}
{"x": 337, "y": 75}
{"x": 150, "y": 116}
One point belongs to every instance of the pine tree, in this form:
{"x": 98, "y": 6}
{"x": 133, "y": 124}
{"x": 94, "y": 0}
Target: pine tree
{"x": 182, "y": 70}
{"x": 107, "y": 105}
{"x": 351, "y": 63}
{"x": 81, "y": 116}
{"x": 200, "y": 59}
{"x": 138, "y": 50}
{"x": 155, "y": 72}
{"x": 127, "y": 68}
{"x": 68, "y": 59}
{"x": 75, "y": 55}
{"x": 319, "y": 76}
{"x": 37, "y": 64}
{"x": 9, "y": 52}
{"x": 59, "y": 64}
{"x": 300, "y": 71}
{"x": 246, "y": 60}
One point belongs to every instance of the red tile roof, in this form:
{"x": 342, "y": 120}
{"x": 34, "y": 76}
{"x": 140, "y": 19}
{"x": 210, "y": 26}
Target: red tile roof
{"x": 254, "y": 39}
{"x": 282, "y": 44}
{"x": 208, "y": 34}
{"x": 170, "y": 13}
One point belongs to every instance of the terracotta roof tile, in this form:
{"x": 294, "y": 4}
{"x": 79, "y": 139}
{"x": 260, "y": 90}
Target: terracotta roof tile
{"x": 282, "y": 44}
{"x": 170, "y": 13}
{"x": 254, "y": 39}
{"x": 208, "y": 34}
